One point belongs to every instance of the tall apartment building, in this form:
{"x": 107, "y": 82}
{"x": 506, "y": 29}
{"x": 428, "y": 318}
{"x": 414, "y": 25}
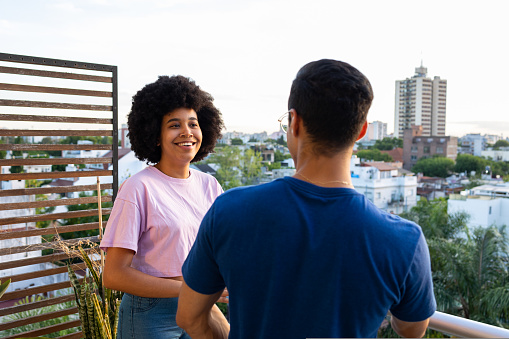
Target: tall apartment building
{"x": 420, "y": 101}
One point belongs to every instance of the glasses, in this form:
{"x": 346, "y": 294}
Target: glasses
{"x": 284, "y": 122}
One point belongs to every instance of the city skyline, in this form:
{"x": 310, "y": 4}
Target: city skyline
{"x": 246, "y": 53}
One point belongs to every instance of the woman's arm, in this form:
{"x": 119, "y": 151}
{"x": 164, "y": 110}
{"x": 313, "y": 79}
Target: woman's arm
{"x": 119, "y": 275}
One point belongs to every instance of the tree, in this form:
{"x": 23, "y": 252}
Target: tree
{"x": 279, "y": 156}
{"x": 387, "y": 144}
{"x": 501, "y": 143}
{"x": 237, "y": 141}
{"x": 434, "y": 167}
{"x": 228, "y": 159}
{"x": 281, "y": 141}
{"x": 2, "y": 153}
{"x": 251, "y": 167}
{"x": 374, "y": 154}
{"x": 468, "y": 163}
{"x": 84, "y": 220}
{"x": 470, "y": 268}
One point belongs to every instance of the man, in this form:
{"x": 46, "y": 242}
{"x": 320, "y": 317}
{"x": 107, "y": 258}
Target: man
{"x": 307, "y": 256}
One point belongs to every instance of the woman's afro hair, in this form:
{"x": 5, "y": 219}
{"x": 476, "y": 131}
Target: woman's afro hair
{"x": 159, "y": 98}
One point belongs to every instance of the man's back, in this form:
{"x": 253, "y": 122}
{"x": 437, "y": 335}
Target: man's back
{"x": 306, "y": 261}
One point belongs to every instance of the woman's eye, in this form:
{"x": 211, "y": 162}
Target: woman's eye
{"x": 175, "y": 126}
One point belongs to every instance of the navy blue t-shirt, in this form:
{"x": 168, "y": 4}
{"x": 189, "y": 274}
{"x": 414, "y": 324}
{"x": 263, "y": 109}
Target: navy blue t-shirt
{"x": 303, "y": 261}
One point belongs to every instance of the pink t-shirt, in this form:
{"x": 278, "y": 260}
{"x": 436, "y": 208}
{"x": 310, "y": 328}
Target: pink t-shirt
{"x": 158, "y": 217}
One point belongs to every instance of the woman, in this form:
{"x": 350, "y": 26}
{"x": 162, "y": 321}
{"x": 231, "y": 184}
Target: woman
{"x": 158, "y": 211}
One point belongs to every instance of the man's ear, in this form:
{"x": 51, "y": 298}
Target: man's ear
{"x": 294, "y": 122}
{"x": 363, "y": 131}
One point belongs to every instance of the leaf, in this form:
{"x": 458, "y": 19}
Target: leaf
{"x": 3, "y": 287}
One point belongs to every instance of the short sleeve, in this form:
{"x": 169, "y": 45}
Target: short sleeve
{"x": 418, "y": 301}
{"x": 124, "y": 226}
{"x": 200, "y": 270}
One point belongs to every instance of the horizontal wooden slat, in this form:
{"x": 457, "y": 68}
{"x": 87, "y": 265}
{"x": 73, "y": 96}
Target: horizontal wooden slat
{"x": 49, "y": 230}
{"x": 49, "y": 190}
{"x": 38, "y": 318}
{"x": 46, "y": 245}
{"x": 52, "y": 216}
{"x": 55, "y": 202}
{"x": 58, "y": 105}
{"x": 44, "y": 118}
{"x": 44, "y": 273}
{"x": 26, "y": 59}
{"x": 76, "y": 335}
{"x": 42, "y": 259}
{"x": 53, "y": 133}
{"x": 52, "y": 74}
{"x": 54, "y": 161}
{"x": 37, "y": 304}
{"x": 55, "y": 175}
{"x": 53, "y": 90}
{"x": 53, "y": 147}
{"x": 47, "y": 330}
{"x": 36, "y": 290}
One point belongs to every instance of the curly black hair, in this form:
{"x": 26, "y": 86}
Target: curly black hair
{"x": 159, "y": 98}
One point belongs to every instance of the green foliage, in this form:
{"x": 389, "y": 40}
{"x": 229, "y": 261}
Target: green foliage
{"x": 16, "y": 169}
{"x": 83, "y": 220}
{"x": 279, "y": 156}
{"x": 106, "y": 140}
{"x": 387, "y": 144}
{"x": 281, "y": 141}
{"x": 251, "y": 167}
{"x": 2, "y": 153}
{"x": 252, "y": 139}
{"x": 434, "y": 167}
{"x": 274, "y": 165}
{"x": 37, "y": 312}
{"x": 468, "y": 163}
{"x": 374, "y": 154}
{"x": 470, "y": 267}
{"x": 98, "y": 306}
{"x": 237, "y": 141}
{"x": 501, "y": 143}
{"x": 3, "y": 287}
{"x": 228, "y": 159}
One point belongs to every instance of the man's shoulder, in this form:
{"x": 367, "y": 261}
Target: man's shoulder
{"x": 253, "y": 192}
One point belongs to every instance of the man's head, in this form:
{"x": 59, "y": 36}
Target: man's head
{"x": 333, "y": 99}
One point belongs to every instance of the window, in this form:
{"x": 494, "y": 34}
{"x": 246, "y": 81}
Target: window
{"x": 425, "y": 149}
{"x": 413, "y": 157}
{"x": 378, "y": 195}
{"x": 440, "y": 150}
{"x": 490, "y": 210}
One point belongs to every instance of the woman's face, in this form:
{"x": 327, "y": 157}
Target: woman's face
{"x": 180, "y": 137}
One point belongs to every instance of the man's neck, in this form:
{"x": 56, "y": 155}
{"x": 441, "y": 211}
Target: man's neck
{"x": 333, "y": 171}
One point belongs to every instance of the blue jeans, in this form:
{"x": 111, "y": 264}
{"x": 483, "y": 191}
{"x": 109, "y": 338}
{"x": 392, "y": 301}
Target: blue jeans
{"x": 151, "y": 318}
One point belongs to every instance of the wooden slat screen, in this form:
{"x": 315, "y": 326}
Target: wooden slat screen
{"x": 48, "y": 193}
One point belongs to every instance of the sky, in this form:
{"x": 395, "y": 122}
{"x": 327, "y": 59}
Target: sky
{"x": 246, "y": 53}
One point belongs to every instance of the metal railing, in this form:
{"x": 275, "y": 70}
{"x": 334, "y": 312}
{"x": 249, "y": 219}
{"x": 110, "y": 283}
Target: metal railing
{"x": 465, "y": 328}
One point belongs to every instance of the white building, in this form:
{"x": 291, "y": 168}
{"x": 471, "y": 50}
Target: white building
{"x": 420, "y": 101}
{"x": 501, "y": 154}
{"x": 472, "y": 144}
{"x": 387, "y": 186}
{"x": 377, "y": 130}
{"x": 487, "y": 205}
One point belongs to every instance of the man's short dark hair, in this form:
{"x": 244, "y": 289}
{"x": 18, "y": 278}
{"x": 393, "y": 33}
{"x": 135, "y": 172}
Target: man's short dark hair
{"x": 333, "y": 99}
{"x": 159, "y": 98}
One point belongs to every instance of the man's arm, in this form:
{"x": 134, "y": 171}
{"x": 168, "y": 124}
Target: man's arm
{"x": 198, "y": 315}
{"x": 409, "y": 329}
